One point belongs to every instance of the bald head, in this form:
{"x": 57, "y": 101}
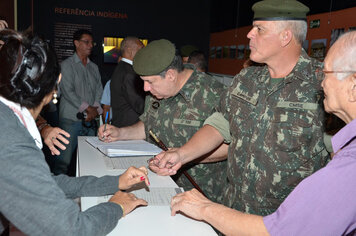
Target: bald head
{"x": 130, "y": 46}
{"x": 344, "y": 53}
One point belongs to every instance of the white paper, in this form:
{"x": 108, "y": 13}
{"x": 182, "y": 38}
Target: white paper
{"x": 124, "y": 163}
{"x": 154, "y": 197}
{"x": 124, "y": 148}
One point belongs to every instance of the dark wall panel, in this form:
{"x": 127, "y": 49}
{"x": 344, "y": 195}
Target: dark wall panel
{"x": 181, "y": 21}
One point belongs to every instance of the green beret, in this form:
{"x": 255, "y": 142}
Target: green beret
{"x": 186, "y": 50}
{"x": 280, "y": 10}
{"x": 154, "y": 58}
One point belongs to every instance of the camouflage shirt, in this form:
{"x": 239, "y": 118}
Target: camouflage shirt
{"x": 276, "y": 135}
{"x": 176, "y": 119}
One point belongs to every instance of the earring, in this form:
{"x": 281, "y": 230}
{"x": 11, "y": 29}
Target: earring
{"x": 55, "y": 98}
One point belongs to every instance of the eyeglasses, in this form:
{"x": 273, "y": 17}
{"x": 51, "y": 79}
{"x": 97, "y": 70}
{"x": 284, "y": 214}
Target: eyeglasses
{"x": 88, "y": 42}
{"x": 320, "y": 74}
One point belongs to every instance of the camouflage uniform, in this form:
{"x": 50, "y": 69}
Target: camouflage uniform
{"x": 276, "y": 135}
{"x": 178, "y": 118}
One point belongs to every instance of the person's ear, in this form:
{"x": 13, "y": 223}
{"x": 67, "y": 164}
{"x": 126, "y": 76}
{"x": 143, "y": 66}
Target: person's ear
{"x": 286, "y": 37}
{"x": 76, "y": 43}
{"x": 352, "y": 97}
{"x": 171, "y": 74}
{"x": 59, "y": 78}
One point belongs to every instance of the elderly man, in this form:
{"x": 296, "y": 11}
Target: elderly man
{"x": 126, "y": 88}
{"x": 180, "y": 99}
{"x": 322, "y": 204}
{"x": 273, "y": 113}
{"x": 81, "y": 91}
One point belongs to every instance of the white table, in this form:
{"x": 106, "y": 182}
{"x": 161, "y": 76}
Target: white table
{"x": 150, "y": 220}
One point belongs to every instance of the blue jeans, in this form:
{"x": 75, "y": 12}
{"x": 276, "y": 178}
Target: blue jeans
{"x": 75, "y": 129}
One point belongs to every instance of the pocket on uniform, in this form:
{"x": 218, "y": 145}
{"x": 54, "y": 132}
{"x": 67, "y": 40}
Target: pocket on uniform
{"x": 242, "y": 115}
{"x": 291, "y": 129}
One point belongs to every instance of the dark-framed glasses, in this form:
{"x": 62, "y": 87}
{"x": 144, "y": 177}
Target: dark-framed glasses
{"x": 320, "y": 74}
{"x": 87, "y": 42}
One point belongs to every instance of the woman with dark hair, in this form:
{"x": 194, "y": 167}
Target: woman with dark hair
{"x": 51, "y": 135}
{"x": 36, "y": 202}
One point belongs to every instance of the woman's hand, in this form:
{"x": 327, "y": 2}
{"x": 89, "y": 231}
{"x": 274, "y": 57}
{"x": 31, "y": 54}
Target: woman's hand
{"x": 128, "y": 201}
{"x": 133, "y": 176}
{"x": 3, "y": 24}
{"x": 51, "y": 137}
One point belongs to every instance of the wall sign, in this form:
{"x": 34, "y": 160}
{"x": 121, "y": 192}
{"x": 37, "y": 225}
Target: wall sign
{"x": 314, "y": 23}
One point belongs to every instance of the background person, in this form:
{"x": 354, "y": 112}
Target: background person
{"x": 81, "y": 91}
{"x": 105, "y": 102}
{"x": 323, "y": 203}
{"x": 186, "y": 50}
{"x": 31, "y": 198}
{"x": 197, "y": 58}
{"x": 126, "y": 88}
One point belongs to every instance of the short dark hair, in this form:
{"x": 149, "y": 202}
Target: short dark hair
{"x": 29, "y": 69}
{"x": 197, "y": 58}
{"x": 79, "y": 33}
{"x": 176, "y": 64}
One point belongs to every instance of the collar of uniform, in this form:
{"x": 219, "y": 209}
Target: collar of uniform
{"x": 128, "y": 61}
{"x": 304, "y": 69}
{"x": 188, "y": 88}
{"x": 77, "y": 59}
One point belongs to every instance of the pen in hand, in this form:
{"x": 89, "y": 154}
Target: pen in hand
{"x": 106, "y": 120}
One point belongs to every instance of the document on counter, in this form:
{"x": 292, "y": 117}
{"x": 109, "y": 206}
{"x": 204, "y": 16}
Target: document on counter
{"x": 154, "y": 196}
{"x": 125, "y": 162}
{"x": 124, "y": 148}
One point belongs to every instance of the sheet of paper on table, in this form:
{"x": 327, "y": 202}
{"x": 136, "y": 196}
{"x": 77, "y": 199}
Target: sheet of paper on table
{"x": 124, "y": 148}
{"x": 154, "y": 196}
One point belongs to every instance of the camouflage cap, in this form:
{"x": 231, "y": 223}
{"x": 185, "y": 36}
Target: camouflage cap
{"x": 280, "y": 10}
{"x": 186, "y": 50}
{"x": 154, "y": 58}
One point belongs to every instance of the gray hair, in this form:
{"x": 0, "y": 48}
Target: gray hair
{"x": 176, "y": 64}
{"x": 298, "y": 27}
{"x": 346, "y": 55}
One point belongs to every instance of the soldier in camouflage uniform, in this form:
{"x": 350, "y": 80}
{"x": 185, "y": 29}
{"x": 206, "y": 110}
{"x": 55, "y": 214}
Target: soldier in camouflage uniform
{"x": 271, "y": 116}
{"x": 175, "y": 115}
{"x": 276, "y": 133}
